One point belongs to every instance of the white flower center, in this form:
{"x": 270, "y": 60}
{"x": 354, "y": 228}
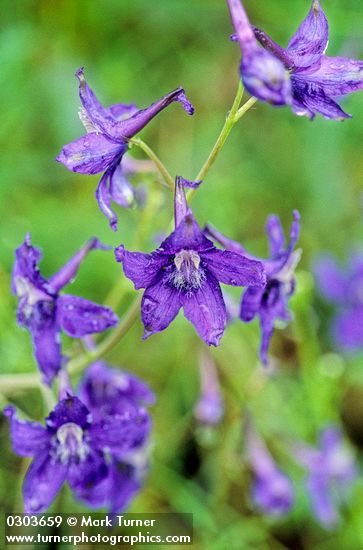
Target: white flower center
{"x": 70, "y": 443}
{"x": 187, "y": 275}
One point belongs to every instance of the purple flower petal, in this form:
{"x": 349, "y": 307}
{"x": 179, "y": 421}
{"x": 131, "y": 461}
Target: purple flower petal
{"x": 27, "y": 438}
{"x": 348, "y": 329}
{"x": 311, "y": 39}
{"x": 108, "y": 390}
{"x": 187, "y": 235}
{"x": 206, "y": 309}
{"x": 68, "y": 410}
{"x": 121, "y": 189}
{"x": 336, "y": 75}
{"x": 224, "y": 241}
{"x": 103, "y": 197}
{"x": 67, "y": 273}
{"x": 79, "y": 317}
{"x": 331, "y": 280}
{"x": 122, "y": 110}
{"x": 267, "y": 319}
{"x": 131, "y": 126}
{"x": 160, "y": 305}
{"x": 91, "y": 154}
{"x": 120, "y": 433}
{"x": 250, "y": 304}
{"x": 234, "y": 269}
{"x": 88, "y": 472}
{"x": 47, "y": 349}
{"x": 26, "y": 266}
{"x": 275, "y": 235}
{"x": 266, "y": 78}
{"x": 142, "y": 269}
{"x": 125, "y": 485}
{"x": 310, "y": 98}
{"x": 321, "y": 501}
{"x": 42, "y": 482}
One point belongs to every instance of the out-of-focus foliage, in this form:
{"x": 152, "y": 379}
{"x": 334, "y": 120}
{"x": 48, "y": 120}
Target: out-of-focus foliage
{"x": 134, "y": 51}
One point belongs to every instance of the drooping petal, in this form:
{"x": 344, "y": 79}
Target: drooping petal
{"x": 272, "y": 490}
{"x": 187, "y": 235}
{"x": 267, "y": 321}
{"x": 311, "y": 39}
{"x": 42, "y": 482}
{"x": 275, "y": 235}
{"x": 131, "y": 126}
{"x": 224, "y": 241}
{"x": 91, "y": 154}
{"x": 209, "y": 408}
{"x": 79, "y": 317}
{"x": 310, "y": 99}
{"x": 234, "y": 269}
{"x": 121, "y": 189}
{"x": 47, "y": 349}
{"x": 251, "y": 303}
{"x": 67, "y": 410}
{"x": 103, "y": 197}
{"x": 159, "y": 307}
{"x": 206, "y": 309}
{"x": 120, "y": 433}
{"x": 348, "y": 329}
{"x": 27, "y": 438}
{"x": 143, "y": 269}
{"x": 67, "y": 273}
{"x": 321, "y": 500}
{"x": 331, "y": 280}
{"x": 336, "y": 75}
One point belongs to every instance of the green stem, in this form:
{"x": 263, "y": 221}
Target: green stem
{"x": 169, "y": 181}
{"x": 245, "y": 107}
{"x": 227, "y": 127}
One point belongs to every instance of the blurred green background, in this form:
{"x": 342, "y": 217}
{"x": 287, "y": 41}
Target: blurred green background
{"x": 135, "y": 51}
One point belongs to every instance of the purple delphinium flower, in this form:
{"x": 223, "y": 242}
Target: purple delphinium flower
{"x": 316, "y": 79}
{"x": 332, "y": 472}
{"x": 269, "y": 303}
{"x": 185, "y": 271}
{"x": 343, "y": 288}
{"x": 72, "y": 447}
{"x": 262, "y": 73}
{"x": 45, "y": 313}
{"x": 106, "y": 141}
{"x": 107, "y": 392}
{"x": 272, "y": 490}
{"x": 209, "y": 408}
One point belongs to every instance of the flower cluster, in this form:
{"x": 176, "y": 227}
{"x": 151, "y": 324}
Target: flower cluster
{"x": 269, "y": 303}
{"x": 95, "y": 442}
{"x": 300, "y": 75}
{"x": 45, "y": 313}
{"x": 344, "y": 290}
{"x": 97, "y": 438}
